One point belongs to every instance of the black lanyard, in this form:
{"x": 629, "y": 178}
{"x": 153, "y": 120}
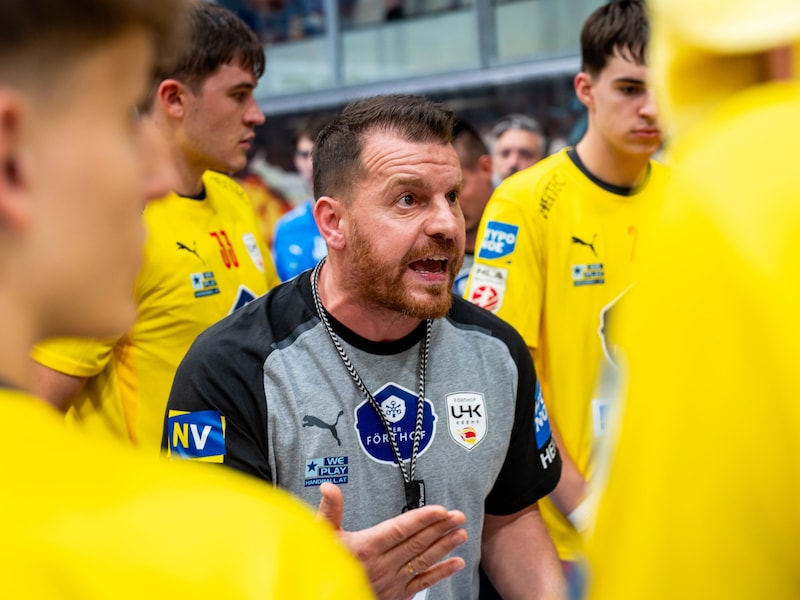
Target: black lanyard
{"x": 414, "y": 489}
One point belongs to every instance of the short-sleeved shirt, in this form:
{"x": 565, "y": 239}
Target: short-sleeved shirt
{"x": 557, "y": 248}
{"x": 266, "y": 392}
{"x": 203, "y": 259}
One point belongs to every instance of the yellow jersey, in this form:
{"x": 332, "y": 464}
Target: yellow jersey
{"x": 84, "y": 518}
{"x": 557, "y": 249}
{"x": 702, "y": 490}
{"x": 204, "y": 258}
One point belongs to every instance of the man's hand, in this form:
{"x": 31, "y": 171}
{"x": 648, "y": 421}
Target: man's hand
{"x": 403, "y": 555}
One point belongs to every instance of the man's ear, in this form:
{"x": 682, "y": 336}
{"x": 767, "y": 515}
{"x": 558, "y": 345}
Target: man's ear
{"x": 14, "y": 170}
{"x": 328, "y": 214}
{"x": 485, "y": 165}
{"x": 583, "y": 89}
{"x": 171, "y": 95}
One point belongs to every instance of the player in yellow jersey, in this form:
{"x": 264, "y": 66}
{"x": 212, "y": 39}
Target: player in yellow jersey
{"x": 559, "y": 244}
{"x": 702, "y": 490}
{"x": 80, "y": 518}
{"x": 204, "y": 255}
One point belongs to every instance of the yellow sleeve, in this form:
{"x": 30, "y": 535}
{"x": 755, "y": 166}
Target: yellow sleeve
{"x": 79, "y": 357}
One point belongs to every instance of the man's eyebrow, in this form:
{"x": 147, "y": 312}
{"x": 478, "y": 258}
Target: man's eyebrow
{"x": 631, "y": 80}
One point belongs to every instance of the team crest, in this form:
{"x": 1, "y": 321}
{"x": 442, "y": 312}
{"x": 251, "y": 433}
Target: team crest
{"x": 466, "y": 418}
{"x": 399, "y": 407}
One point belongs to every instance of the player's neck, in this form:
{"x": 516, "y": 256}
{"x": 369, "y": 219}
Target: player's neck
{"x": 611, "y": 166}
{"x": 15, "y": 345}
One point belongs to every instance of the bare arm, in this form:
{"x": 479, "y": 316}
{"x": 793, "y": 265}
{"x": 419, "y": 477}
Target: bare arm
{"x": 519, "y": 557}
{"x": 571, "y": 488}
{"x": 56, "y": 388}
{"x": 403, "y": 555}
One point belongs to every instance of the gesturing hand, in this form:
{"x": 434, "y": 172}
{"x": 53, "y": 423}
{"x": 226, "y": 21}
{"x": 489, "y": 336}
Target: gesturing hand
{"x": 405, "y": 554}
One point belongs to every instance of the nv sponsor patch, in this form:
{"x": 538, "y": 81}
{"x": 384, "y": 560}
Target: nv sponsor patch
{"x": 334, "y": 469}
{"x": 466, "y": 418}
{"x": 488, "y": 287}
{"x": 253, "y": 250}
{"x": 588, "y": 274}
{"x": 399, "y": 406}
{"x": 499, "y": 240}
{"x": 196, "y": 435}
{"x": 204, "y": 284}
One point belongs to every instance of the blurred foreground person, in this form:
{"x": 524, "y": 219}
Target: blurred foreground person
{"x": 204, "y": 255}
{"x": 702, "y": 489}
{"x": 79, "y": 518}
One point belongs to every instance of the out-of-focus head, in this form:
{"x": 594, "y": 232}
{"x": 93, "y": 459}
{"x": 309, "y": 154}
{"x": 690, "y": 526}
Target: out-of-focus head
{"x": 337, "y": 151}
{"x": 208, "y": 91}
{"x": 304, "y": 139}
{"x": 518, "y": 142}
{"x": 72, "y": 186}
{"x": 702, "y": 52}
{"x": 476, "y": 170}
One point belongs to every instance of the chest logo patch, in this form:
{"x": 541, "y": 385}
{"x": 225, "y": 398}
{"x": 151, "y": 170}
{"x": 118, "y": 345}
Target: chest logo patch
{"x": 254, "y": 251}
{"x": 588, "y": 274}
{"x": 334, "y": 469}
{"x": 399, "y": 406}
{"x": 466, "y": 418}
{"x": 204, "y": 284}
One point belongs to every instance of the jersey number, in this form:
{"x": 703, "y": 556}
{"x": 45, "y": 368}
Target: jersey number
{"x": 225, "y": 248}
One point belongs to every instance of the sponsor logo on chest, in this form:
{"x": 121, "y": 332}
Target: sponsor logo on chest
{"x": 466, "y": 418}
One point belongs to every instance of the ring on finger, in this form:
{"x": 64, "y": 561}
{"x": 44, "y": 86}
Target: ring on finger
{"x": 411, "y": 569}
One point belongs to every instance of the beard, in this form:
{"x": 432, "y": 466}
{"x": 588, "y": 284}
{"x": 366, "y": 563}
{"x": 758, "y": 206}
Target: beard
{"x": 380, "y": 282}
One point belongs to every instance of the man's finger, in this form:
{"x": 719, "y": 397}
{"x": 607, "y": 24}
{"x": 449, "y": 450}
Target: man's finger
{"x": 331, "y": 505}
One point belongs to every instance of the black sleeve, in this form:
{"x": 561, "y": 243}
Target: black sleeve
{"x": 532, "y": 465}
{"x": 217, "y": 407}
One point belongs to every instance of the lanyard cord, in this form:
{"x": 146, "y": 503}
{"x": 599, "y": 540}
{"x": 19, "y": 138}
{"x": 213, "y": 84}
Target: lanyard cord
{"x": 423, "y": 365}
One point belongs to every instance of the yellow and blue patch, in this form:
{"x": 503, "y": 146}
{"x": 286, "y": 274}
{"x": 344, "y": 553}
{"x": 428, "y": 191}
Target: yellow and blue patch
{"x": 499, "y": 240}
{"x": 196, "y": 435}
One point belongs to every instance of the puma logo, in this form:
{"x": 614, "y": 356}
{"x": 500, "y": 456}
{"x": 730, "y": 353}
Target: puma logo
{"x": 192, "y": 250}
{"x": 577, "y": 240}
{"x": 312, "y": 421}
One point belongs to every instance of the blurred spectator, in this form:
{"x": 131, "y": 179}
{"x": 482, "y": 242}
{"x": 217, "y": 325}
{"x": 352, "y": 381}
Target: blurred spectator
{"x": 517, "y": 142}
{"x": 297, "y": 243}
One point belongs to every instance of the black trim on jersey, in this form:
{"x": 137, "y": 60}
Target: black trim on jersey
{"x": 200, "y": 196}
{"x": 619, "y": 190}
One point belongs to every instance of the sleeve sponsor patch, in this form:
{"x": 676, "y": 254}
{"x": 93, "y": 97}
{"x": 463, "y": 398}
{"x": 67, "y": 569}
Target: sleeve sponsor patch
{"x": 488, "y": 287}
{"x": 196, "y": 435}
{"x": 499, "y": 240}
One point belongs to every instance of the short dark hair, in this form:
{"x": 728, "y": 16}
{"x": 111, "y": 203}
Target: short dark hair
{"x": 311, "y": 127}
{"x": 216, "y": 36}
{"x": 619, "y": 27}
{"x": 337, "y": 151}
{"x": 37, "y": 37}
{"x": 469, "y": 142}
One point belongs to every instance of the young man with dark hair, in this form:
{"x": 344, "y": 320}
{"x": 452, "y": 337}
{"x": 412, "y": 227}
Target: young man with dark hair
{"x": 559, "y": 242}
{"x": 369, "y": 374}
{"x": 83, "y": 518}
{"x": 204, "y": 257}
